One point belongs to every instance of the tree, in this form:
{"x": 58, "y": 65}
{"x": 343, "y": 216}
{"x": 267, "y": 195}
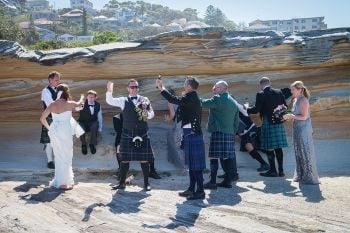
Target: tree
{"x": 84, "y": 33}
{"x": 9, "y": 30}
{"x": 214, "y": 16}
{"x": 190, "y": 14}
{"x": 230, "y": 25}
{"x": 105, "y": 37}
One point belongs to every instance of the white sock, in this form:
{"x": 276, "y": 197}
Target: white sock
{"x": 49, "y": 152}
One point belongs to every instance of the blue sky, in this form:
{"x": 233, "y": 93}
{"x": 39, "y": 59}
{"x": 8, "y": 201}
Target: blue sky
{"x": 336, "y": 12}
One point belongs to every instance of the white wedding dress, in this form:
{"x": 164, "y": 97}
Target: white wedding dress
{"x": 61, "y": 132}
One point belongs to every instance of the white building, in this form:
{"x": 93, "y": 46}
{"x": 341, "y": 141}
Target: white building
{"x": 291, "y": 25}
{"x": 81, "y": 4}
{"x": 124, "y": 15}
{"x": 37, "y": 5}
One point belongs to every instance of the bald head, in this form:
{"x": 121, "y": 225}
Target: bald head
{"x": 220, "y": 87}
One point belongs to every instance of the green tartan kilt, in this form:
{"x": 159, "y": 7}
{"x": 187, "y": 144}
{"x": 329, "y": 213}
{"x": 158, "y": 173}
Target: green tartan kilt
{"x": 273, "y": 136}
{"x": 44, "y": 138}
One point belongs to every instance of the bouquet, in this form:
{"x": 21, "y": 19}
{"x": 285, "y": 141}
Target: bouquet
{"x": 142, "y": 107}
{"x": 278, "y": 113}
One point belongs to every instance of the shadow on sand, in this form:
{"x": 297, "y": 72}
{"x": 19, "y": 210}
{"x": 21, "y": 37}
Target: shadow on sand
{"x": 122, "y": 202}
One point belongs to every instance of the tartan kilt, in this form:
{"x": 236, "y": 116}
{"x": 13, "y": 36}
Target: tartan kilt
{"x": 128, "y": 152}
{"x": 194, "y": 150}
{"x": 273, "y": 136}
{"x": 250, "y": 137}
{"x": 222, "y": 145}
{"x": 44, "y": 137}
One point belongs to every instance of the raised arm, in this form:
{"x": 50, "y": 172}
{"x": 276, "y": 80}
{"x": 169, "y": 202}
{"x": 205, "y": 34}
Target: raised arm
{"x": 210, "y": 103}
{"x": 118, "y": 102}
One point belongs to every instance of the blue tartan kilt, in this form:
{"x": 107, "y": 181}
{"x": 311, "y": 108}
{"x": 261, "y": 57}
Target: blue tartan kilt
{"x": 128, "y": 151}
{"x": 222, "y": 145}
{"x": 273, "y": 136}
{"x": 194, "y": 150}
{"x": 44, "y": 137}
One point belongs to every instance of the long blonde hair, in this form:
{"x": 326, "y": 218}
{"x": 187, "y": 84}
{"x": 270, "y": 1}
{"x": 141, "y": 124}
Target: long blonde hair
{"x": 300, "y": 86}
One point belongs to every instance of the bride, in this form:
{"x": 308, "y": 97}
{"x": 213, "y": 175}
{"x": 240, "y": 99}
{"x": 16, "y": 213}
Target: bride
{"x": 60, "y": 132}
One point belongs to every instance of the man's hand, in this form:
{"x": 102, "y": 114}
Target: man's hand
{"x": 159, "y": 84}
{"x": 110, "y": 86}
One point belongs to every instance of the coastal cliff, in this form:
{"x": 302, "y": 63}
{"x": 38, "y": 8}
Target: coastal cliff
{"x": 321, "y": 59}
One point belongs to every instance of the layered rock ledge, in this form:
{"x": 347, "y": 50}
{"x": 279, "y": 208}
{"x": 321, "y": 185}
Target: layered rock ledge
{"x": 319, "y": 58}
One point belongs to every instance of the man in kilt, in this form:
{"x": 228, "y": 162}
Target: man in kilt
{"x": 223, "y": 125}
{"x": 49, "y": 95}
{"x": 135, "y": 144}
{"x": 273, "y": 136}
{"x": 193, "y": 143}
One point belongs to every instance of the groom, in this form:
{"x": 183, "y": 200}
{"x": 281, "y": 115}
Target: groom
{"x": 273, "y": 136}
{"x": 135, "y": 144}
{"x": 49, "y": 95}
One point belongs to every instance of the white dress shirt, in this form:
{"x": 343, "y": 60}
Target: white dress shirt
{"x": 46, "y": 96}
{"x": 120, "y": 102}
{"x": 99, "y": 115}
{"x": 241, "y": 108}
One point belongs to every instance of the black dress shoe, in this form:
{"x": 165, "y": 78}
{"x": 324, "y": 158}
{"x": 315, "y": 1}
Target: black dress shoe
{"x": 269, "y": 174}
{"x": 210, "y": 185}
{"x": 281, "y": 174}
{"x": 235, "y": 177}
{"x": 92, "y": 149}
{"x": 263, "y": 167}
{"x": 224, "y": 185}
{"x": 51, "y": 165}
{"x": 197, "y": 196}
{"x": 147, "y": 188}
{"x": 84, "y": 149}
{"x": 186, "y": 193}
{"x": 154, "y": 175}
{"x": 119, "y": 186}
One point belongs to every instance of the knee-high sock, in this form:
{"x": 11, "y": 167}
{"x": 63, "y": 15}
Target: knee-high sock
{"x": 199, "y": 180}
{"x": 271, "y": 158}
{"x": 214, "y": 165}
{"x": 124, "y": 167}
{"x": 151, "y": 166}
{"x": 229, "y": 173}
{"x": 145, "y": 171}
{"x": 49, "y": 152}
{"x": 279, "y": 156}
{"x": 223, "y": 165}
{"x": 234, "y": 166}
{"x": 118, "y": 159}
{"x": 256, "y": 155}
{"x": 191, "y": 173}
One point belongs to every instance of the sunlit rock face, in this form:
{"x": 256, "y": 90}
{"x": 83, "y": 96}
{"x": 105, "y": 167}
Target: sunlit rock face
{"x": 321, "y": 59}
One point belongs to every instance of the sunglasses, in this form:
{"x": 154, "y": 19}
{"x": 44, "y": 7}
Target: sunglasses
{"x": 133, "y": 87}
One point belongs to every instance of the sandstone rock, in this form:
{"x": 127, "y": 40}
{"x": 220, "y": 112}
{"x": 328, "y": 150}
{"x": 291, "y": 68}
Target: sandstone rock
{"x": 319, "y": 58}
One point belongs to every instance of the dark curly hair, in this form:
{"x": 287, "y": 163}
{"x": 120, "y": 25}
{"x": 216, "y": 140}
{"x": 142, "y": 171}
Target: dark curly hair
{"x": 65, "y": 91}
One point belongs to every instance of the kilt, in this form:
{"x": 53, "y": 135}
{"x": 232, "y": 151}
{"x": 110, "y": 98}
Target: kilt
{"x": 273, "y": 136}
{"x": 222, "y": 145}
{"x": 194, "y": 150}
{"x": 128, "y": 152}
{"x": 250, "y": 137}
{"x": 44, "y": 137}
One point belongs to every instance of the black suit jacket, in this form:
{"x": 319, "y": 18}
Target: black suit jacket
{"x": 266, "y": 101}
{"x": 190, "y": 108}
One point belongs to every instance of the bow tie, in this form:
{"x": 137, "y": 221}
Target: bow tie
{"x": 91, "y": 105}
{"x": 133, "y": 98}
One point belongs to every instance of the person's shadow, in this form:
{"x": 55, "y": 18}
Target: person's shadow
{"x": 122, "y": 202}
{"x": 312, "y": 193}
{"x": 276, "y": 185}
{"x": 188, "y": 212}
{"x": 48, "y": 194}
